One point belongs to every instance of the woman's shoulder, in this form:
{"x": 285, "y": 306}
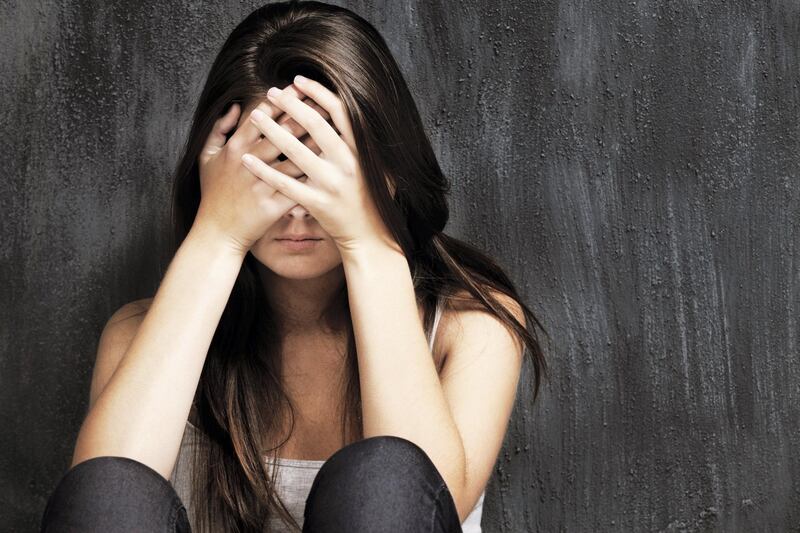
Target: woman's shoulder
{"x": 124, "y": 322}
{"x": 142, "y": 304}
{"x": 131, "y": 310}
{"x": 461, "y": 312}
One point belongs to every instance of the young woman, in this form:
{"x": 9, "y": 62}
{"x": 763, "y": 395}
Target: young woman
{"x": 319, "y": 354}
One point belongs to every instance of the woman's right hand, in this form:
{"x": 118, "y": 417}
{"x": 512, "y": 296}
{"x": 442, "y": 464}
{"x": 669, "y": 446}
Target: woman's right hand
{"x": 236, "y": 203}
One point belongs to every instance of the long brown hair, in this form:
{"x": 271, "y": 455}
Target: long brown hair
{"x": 240, "y": 402}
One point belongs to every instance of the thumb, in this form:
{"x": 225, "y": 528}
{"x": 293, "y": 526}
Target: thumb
{"x": 230, "y": 118}
{"x": 216, "y": 139}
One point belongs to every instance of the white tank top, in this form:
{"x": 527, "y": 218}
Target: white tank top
{"x": 294, "y": 478}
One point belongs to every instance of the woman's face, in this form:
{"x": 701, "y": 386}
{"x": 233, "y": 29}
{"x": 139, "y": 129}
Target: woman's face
{"x": 293, "y": 258}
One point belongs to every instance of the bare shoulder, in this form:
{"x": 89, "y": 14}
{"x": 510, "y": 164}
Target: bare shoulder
{"x": 465, "y": 319}
{"x": 131, "y": 310}
{"x": 117, "y": 335}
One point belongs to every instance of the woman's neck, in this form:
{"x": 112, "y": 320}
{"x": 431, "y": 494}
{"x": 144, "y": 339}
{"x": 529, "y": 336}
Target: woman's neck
{"x": 300, "y": 304}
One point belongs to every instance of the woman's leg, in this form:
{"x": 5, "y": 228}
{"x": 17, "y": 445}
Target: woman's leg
{"x": 383, "y": 483}
{"x": 114, "y": 494}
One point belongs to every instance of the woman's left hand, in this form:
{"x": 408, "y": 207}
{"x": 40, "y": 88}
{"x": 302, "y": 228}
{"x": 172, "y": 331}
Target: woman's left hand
{"x": 335, "y": 192}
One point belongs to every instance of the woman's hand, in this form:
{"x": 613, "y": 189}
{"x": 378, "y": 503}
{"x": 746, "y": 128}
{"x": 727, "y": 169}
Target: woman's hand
{"x": 335, "y": 192}
{"x": 235, "y": 202}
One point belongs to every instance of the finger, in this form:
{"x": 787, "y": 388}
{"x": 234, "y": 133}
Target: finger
{"x": 309, "y": 141}
{"x": 331, "y": 103}
{"x": 299, "y": 192}
{"x": 287, "y": 166}
{"x": 300, "y": 131}
{"x": 327, "y": 138}
{"x": 246, "y": 133}
{"x": 290, "y": 124}
{"x": 300, "y": 154}
{"x": 287, "y": 118}
{"x": 294, "y": 91}
{"x": 217, "y": 138}
{"x": 266, "y": 151}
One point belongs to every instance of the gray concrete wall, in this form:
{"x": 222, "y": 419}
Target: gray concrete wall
{"x": 634, "y": 165}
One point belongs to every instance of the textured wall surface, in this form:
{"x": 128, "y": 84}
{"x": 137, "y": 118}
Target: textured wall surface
{"x": 634, "y": 164}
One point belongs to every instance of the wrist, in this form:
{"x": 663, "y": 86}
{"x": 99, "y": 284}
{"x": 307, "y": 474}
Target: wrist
{"x": 373, "y": 257}
{"x": 212, "y": 237}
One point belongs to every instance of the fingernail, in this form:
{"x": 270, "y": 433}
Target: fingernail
{"x": 274, "y": 91}
{"x": 249, "y": 159}
{"x": 257, "y": 114}
{"x": 300, "y": 79}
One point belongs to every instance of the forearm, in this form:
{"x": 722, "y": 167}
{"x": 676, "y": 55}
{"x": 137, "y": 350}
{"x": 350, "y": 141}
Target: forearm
{"x": 142, "y": 411}
{"x": 400, "y": 387}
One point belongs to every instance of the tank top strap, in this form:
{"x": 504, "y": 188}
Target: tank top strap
{"x": 435, "y": 326}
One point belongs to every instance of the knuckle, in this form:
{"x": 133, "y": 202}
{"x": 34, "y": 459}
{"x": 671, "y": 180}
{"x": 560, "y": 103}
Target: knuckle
{"x": 340, "y": 109}
{"x": 349, "y": 163}
{"x": 263, "y": 107}
{"x": 318, "y": 122}
{"x": 234, "y": 146}
{"x": 291, "y": 151}
{"x": 264, "y": 202}
{"x": 322, "y": 204}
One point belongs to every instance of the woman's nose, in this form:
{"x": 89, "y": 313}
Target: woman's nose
{"x": 298, "y": 212}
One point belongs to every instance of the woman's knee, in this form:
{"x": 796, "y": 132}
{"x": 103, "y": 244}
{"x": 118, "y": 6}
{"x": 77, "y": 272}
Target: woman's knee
{"x": 374, "y": 484}
{"x": 114, "y": 494}
{"x": 376, "y": 460}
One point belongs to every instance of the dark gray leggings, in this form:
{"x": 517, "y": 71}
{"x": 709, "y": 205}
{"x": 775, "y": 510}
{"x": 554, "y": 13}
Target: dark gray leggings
{"x": 383, "y": 483}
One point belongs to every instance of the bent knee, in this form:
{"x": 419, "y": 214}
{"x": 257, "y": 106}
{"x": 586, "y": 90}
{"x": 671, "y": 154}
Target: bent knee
{"x": 379, "y": 480}
{"x": 108, "y": 492}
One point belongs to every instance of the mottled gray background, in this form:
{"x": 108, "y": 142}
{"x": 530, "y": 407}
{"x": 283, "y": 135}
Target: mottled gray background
{"x": 633, "y": 164}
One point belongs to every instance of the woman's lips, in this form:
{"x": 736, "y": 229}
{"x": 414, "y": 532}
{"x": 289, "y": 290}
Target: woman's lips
{"x": 303, "y": 244}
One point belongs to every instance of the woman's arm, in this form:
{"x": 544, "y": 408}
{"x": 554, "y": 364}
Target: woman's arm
{"x": 400, "y": 388}
{"x": 142, "y": 411}
{"x": 458, "y": 418}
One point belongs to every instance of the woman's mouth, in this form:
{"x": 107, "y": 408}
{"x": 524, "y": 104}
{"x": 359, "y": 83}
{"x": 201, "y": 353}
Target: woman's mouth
{"x": 298, "y": 245}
